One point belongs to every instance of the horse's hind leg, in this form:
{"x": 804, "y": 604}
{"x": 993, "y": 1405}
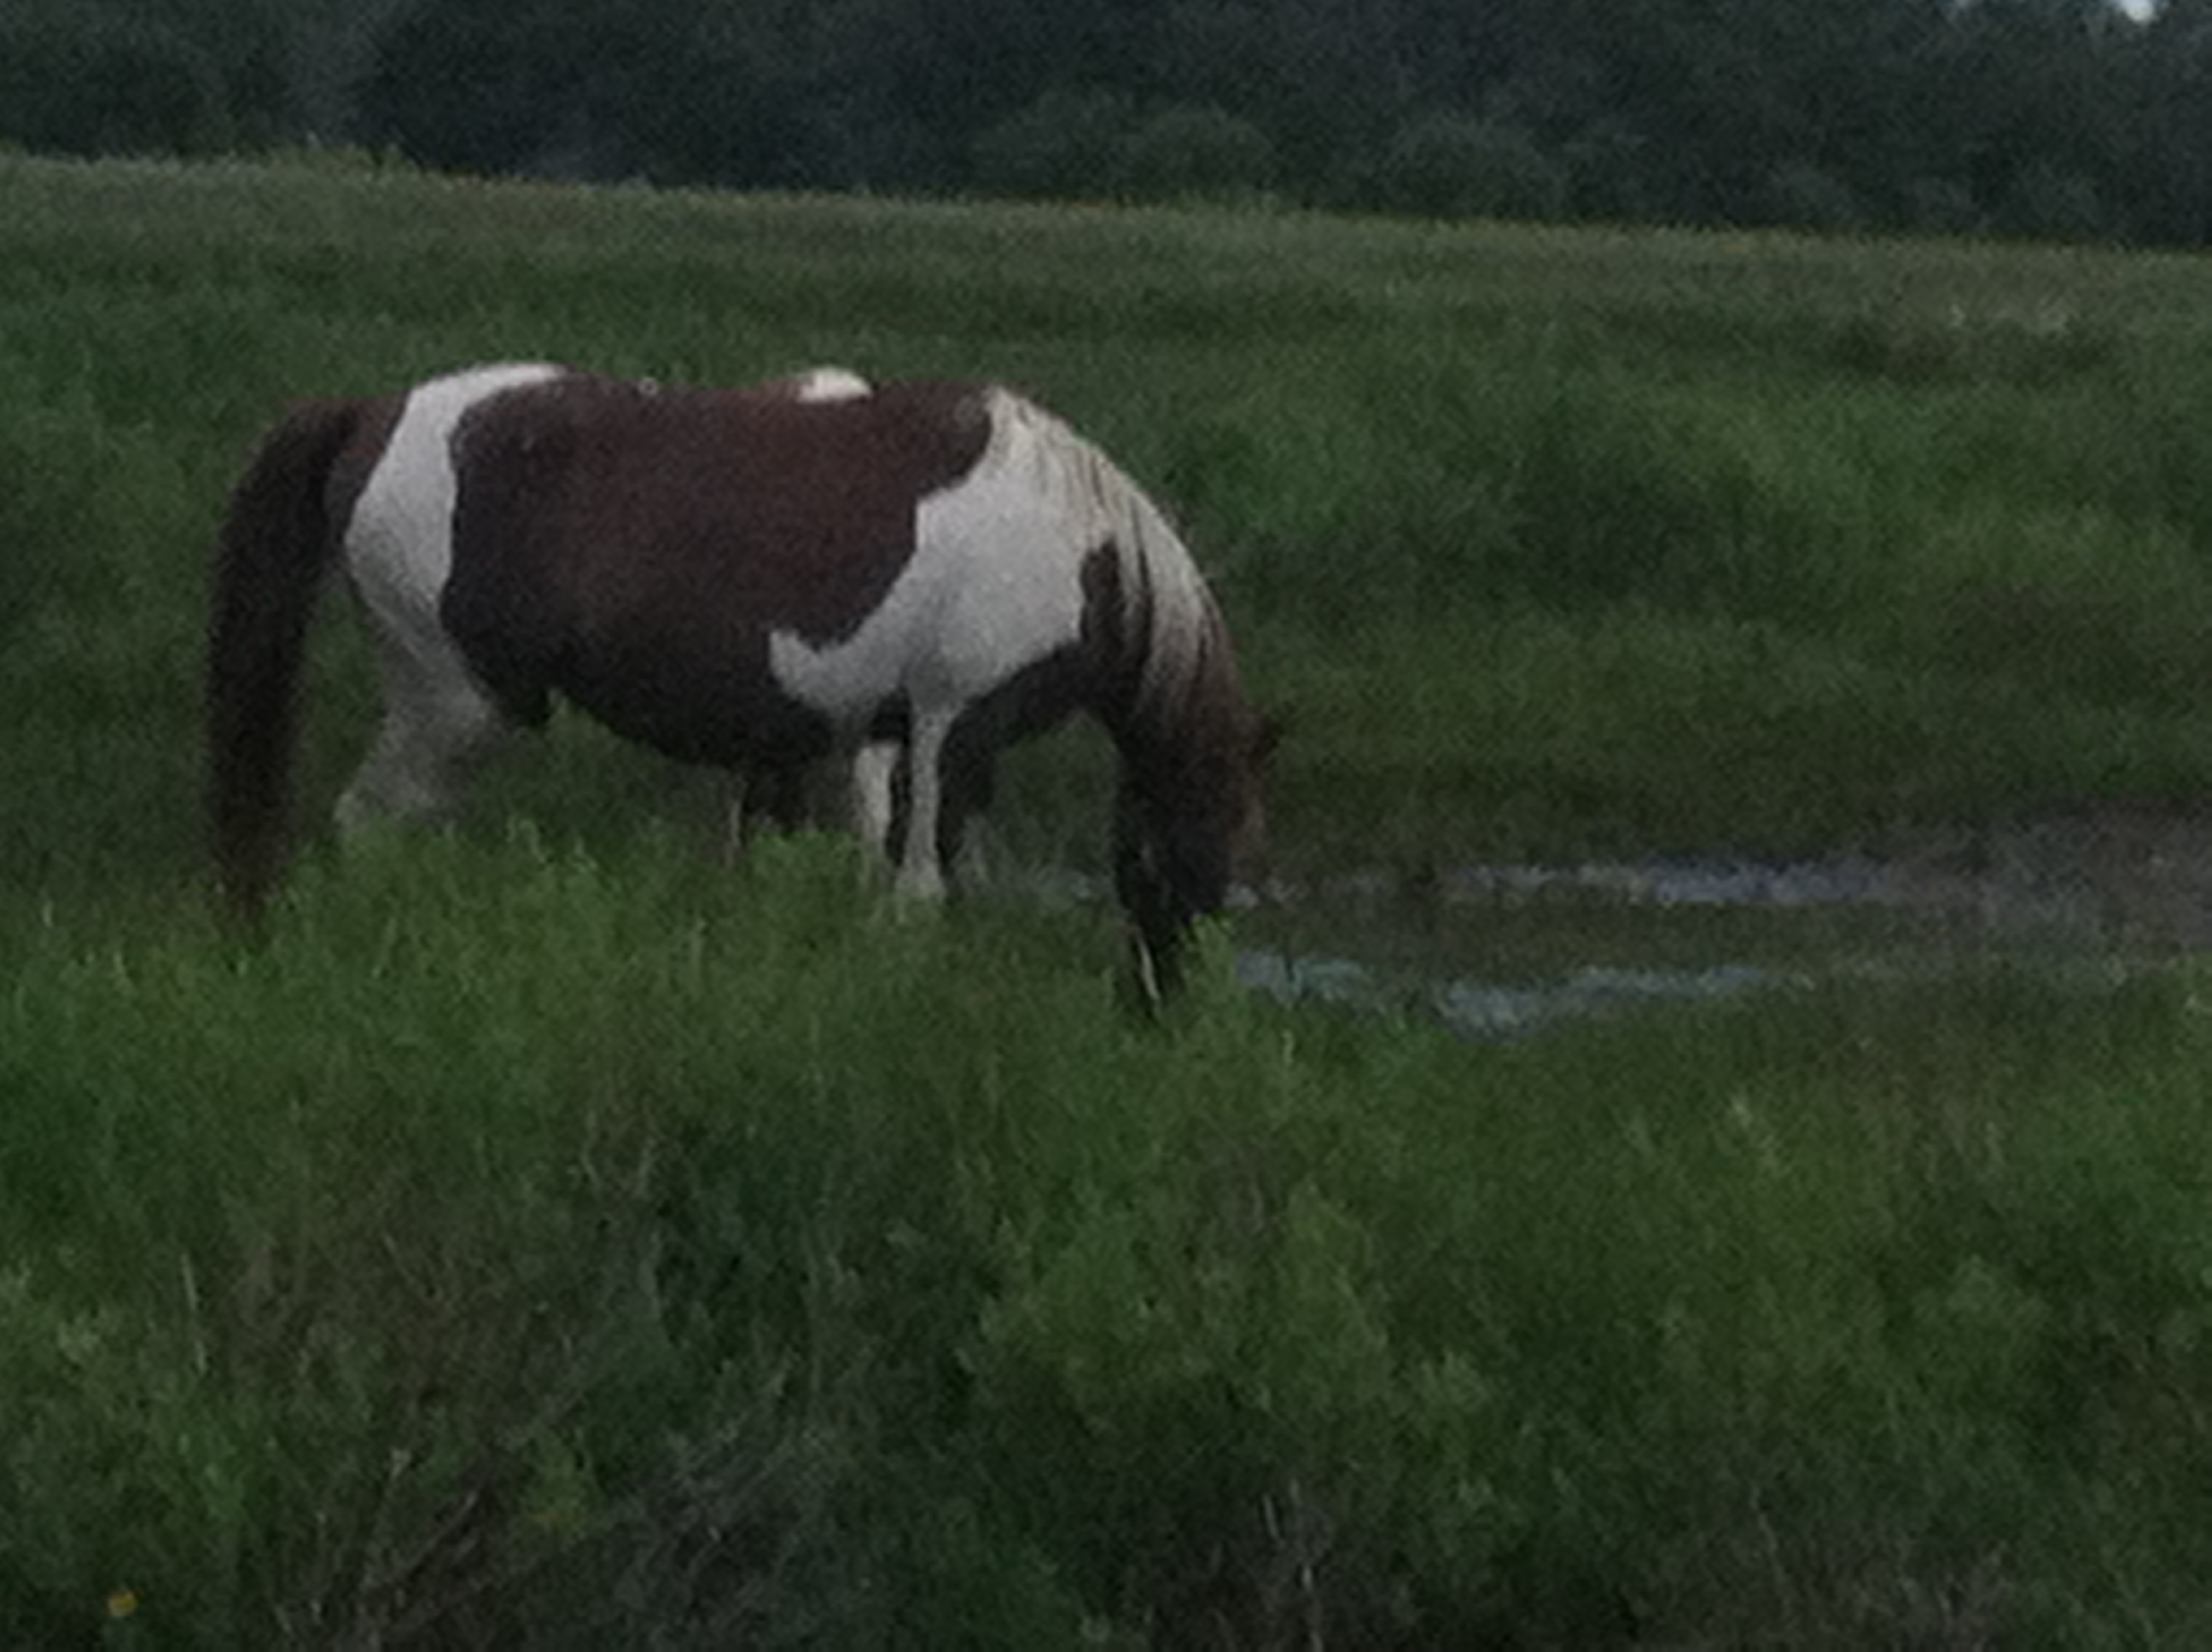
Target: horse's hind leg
{"x": 884, "y": 807}
{"x": 920, "y": 873}
{"x": 970, "y": 766}
{"x": 437, "y": 723}
{"x": 760, "y": 793}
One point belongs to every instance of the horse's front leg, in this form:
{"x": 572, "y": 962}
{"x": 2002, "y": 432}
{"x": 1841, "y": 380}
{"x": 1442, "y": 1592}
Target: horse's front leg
{"x": 872, "y": 779}
{"x": 758, "y": 793}
{"x": 1156, "y": 919}
{"x": 845, "y": 791}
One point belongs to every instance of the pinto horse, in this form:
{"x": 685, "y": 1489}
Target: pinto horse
{"x": 768, "y": 579}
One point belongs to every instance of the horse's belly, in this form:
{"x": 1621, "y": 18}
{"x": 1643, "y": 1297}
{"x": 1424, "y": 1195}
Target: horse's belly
{"x": 719, "y": 709}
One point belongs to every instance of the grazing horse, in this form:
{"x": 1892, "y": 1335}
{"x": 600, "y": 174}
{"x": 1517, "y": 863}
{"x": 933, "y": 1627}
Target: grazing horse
{"x": 767, "y": 579}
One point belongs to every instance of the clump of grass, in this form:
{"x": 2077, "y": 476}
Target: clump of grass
{"x": 2029, "y": 343}
{"x": 2030, "y": 596}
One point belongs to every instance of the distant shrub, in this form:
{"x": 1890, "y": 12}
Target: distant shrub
{"x": 358, "y": 159}
{"x": 2047, "y": 202}
{"x": 1455, "y": 165}
{"x": 1196, "y": 154}
{"x": 1801, "y": 196}
{"x": 1611, "y": 175}
{"x": 84, "y": 80}
{"x": 2038, "y": 344}
{"x": 1065, "y": 145}
{"x": 1941, "y": 206}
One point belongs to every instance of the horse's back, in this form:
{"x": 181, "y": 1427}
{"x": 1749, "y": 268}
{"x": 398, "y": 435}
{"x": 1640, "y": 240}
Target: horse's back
{"x": 716, "y": 571}
{"x": 636, "y": 546}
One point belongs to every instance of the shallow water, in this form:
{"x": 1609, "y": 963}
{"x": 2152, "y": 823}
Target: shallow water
{"x": 1494, "y": 1009}
{"x": 1498, "y": 950}
{"x": 1507, "y": 949}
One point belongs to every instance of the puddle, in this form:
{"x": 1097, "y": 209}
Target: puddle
{"x": 1487, "y": 1010}
{"x": 1501, "y": 951}
{"x": 1506, "y": 949}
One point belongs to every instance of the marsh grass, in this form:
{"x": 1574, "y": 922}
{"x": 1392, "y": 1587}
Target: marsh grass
{"x": 549, "y": 1235}
{"x": 1958, "y": 476}
{"x": 526, "y": 1245}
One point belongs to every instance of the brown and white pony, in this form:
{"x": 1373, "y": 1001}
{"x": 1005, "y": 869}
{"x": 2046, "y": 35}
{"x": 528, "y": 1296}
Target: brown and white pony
{"x": 764, "y": 579}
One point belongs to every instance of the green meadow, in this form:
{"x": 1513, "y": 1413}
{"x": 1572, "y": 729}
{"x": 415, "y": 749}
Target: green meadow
{"x": 550, "y": 1236}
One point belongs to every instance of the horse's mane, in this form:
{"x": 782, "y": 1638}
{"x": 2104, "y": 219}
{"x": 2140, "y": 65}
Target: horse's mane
{"x": 1168, "y": 625}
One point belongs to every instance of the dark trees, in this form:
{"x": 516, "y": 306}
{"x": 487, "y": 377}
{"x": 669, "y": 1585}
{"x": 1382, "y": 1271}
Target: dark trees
{"x": 2059, "y": 118}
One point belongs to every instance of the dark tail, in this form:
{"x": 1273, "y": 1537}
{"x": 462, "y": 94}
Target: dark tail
{"x": 275, "y": 543}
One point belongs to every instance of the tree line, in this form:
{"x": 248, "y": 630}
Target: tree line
{"x": 2057, "y": 118}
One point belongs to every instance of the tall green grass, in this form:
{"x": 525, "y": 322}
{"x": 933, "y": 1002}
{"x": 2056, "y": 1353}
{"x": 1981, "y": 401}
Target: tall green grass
{"x": 549, "y": 1235}
{"x": 1962, "y": 486}
{"x": 529, "y": 1247}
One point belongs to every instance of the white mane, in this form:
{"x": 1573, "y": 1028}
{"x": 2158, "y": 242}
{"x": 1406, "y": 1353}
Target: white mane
{"x": 1108, "y": 507}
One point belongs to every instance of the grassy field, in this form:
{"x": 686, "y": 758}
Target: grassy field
{"x": 549, "y": 1237}
{"x": 1539, "y": 539}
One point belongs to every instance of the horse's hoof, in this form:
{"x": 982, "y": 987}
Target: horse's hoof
{"x": 919, "y": 889}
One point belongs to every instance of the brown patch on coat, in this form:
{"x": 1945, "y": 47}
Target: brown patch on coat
{"x": 633, "y": 547}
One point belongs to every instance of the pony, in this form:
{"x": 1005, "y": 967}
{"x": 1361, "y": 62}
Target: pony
{"x": 896, "y": 581}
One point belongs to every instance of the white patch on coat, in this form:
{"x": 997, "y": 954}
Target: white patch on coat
{"x": 829, "y": 384}
{"x": 995, "y": 585}
{"x": 399, "y": 542}
{"x": 399, "y": 555}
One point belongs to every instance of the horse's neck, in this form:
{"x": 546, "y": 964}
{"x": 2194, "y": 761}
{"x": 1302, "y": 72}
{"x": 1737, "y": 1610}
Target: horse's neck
{"x": 1179, "y": 736}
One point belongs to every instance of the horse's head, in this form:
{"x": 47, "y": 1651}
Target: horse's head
{"x": 1257, "y": 736}
{"x": 1183, "y": 831}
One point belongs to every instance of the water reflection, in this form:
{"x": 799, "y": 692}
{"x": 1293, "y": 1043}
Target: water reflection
{"x": 1487, "y": 1010}
{"x": 1503, "y": 950}
{"x": 1500, "y": 950}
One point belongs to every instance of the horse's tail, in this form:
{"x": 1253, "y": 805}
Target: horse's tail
{"x": 277, "y": 541}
